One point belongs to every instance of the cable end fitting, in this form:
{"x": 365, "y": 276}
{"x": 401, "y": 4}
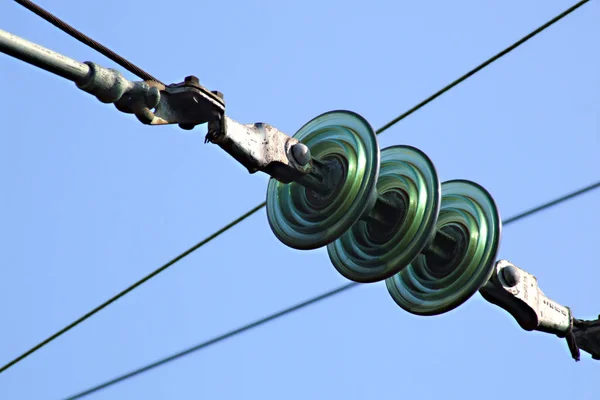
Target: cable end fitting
{"x": 107, "y": 84}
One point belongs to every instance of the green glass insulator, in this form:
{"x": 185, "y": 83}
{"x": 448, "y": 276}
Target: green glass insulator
{"x": 469, "y": 208}
{"x": 304, "y": 220}
{"x": 370, "y": 253}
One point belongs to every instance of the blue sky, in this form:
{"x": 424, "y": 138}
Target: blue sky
{"x": 93, "y": 200}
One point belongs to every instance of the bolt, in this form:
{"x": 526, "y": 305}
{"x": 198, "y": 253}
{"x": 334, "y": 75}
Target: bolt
{"x": 301, "y": 154}
{"x": 192, "y": 79}
{"x": 511, "y": 275}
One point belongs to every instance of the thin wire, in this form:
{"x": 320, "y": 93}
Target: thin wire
{"x": 215, "y": 340}
{"x": 482, "y": 66}
{"x": 300, "y": 306}
{"x": 258, "y": 207}
{"x": 83, "y": 38}
{"x": 135, "y": 285}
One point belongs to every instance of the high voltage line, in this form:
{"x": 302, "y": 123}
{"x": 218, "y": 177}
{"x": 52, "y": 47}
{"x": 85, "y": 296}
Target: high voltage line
{"x": 260, "y": 206}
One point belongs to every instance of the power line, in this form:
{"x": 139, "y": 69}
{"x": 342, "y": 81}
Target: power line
{"x": 483, "y": 65}
{"x": 88, "y": 41}
{"x": 259, "y": 206}
{"x": 299, "y": 306}
{"x": 135, "y": 285}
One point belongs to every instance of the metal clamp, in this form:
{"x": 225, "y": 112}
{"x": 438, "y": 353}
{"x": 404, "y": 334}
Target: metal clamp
{"x": 262, "y": 147}
{"x": 187, "y": 103}
{"x": 517, "y": 292}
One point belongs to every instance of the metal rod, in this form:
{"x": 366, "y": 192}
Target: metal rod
{"x": 384, "y": 213}
{"x": 317, "y": 179}
{"x": 42, "y": 57}
{"x": 442, "y": 246}
{"x": 325, "y": 178}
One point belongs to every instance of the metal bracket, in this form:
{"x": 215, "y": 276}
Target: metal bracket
{"x": 258, "y": 147}
{"x": 262, "y": 147}
{"x": 517, "y": 292}
{"x": 187, "y": 103}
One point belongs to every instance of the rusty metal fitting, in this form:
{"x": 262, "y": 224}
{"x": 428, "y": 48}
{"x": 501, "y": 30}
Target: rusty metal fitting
{"x": 262, "y": 147}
